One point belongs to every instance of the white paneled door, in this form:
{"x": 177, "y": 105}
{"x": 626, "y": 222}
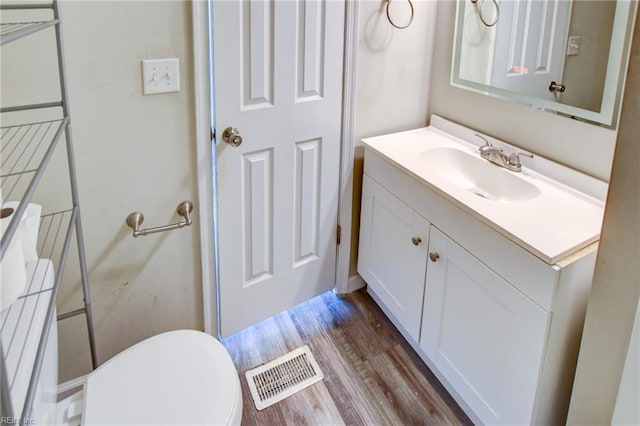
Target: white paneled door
{"x": 278, "y": 81}
{"x": 531, "y": 38}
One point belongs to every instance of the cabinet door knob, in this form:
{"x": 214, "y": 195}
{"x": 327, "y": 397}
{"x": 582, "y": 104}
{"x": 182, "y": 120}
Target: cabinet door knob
{"x": 416, "y": 241}
{"x": 434, "y": 257}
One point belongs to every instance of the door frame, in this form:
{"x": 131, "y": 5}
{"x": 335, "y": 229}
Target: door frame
{"x": 202, "y": 16}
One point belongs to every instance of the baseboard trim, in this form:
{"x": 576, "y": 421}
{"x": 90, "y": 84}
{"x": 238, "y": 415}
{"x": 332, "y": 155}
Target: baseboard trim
{"x": 71, "y": 384}
{"x": 355, "y": 282}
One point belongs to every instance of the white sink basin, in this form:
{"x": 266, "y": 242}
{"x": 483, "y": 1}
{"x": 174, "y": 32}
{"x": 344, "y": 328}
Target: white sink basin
{"x": 478, "y": 176}
{"x": 538, "y": 212}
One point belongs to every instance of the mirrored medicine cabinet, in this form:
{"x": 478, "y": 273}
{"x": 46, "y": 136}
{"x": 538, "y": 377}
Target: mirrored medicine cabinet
{"x": 564, "y": 56}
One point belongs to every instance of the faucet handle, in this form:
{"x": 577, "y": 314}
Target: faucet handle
{"x": 486, "y": 141}
{"x": 514, "y": 159}
{"x": 488, "y": 146}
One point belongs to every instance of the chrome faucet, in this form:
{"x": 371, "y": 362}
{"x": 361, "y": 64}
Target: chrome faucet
{"x": 497, "y": 156}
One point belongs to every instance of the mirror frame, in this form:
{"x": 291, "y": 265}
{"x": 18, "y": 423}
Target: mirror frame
{"x": 619, "y": 50}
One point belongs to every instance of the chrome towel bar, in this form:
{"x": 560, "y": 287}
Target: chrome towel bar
{"x": 135, "y": 219}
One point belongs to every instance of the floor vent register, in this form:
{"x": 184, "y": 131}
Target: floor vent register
{"x": 278, "y": 379}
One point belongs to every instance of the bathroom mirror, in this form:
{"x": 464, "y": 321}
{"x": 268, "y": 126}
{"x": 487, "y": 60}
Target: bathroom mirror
{"x": 564, "y": 56}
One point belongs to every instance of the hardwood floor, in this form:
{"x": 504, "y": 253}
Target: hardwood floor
{"x": 371, "y": 374}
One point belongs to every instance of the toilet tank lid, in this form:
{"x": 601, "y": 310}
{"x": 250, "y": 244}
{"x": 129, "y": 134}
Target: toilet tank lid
{"x": 178, "y": 377}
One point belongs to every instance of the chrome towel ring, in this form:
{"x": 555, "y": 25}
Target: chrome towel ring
{"x": 402, "y": 27}
{"x": 479, "y": 8}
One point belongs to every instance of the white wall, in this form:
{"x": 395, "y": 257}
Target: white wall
{"x": 133, "y": 152}
{"x": 584, "y": 147}
{"x": 627, "y": 408}
{"x": 585, "y": 72}
{"x": 393, "y": 70}
{"x": 477, "y": 48}
{"x": 615, "y": 293}
{"x": 392, "y": 83}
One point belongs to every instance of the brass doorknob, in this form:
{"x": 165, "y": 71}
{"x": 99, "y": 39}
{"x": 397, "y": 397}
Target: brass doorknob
{"x": 416, "y": 241}
{"x": 434, "y": 256}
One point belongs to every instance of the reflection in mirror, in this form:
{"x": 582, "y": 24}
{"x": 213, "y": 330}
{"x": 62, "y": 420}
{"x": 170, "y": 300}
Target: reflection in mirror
{"x": 564, "y": 56}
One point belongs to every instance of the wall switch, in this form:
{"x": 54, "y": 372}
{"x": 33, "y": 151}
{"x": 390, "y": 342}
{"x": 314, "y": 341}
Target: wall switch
{"x": 573, "y": 45}
{"x": 160, "y": 76}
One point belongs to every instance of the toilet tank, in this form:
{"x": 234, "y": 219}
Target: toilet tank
{"x": 22, "y": 326}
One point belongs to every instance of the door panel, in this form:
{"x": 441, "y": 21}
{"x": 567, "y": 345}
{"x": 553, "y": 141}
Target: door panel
{"x": 533, "y": 34}
{"x": 257, "y": 44}
{"x": 278, "y": 80}
{"x": 257, "y": 188}
{"x": 310, "y": 55}
{"x": 306, "y": 229}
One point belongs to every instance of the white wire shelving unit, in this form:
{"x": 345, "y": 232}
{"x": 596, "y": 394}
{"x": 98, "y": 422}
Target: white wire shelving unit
{"x": 26, "y": 150}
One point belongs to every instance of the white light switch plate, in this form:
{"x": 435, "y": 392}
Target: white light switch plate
{"x": 160, "y": 76}
{"x": 573, "y": 45}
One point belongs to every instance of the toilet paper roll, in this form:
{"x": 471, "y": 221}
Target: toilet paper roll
{"x": 13, "y": 275}
{"x": 28, "y": 229}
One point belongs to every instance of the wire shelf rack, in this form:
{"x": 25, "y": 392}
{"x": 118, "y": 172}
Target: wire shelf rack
{"x": 25, "y": 152}
{"x": 26, "y": 322}
{"x": 10, "y": 31}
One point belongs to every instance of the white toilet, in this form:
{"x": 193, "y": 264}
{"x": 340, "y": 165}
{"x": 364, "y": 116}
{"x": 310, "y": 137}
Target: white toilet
{"x": 174, "y": 378}
{"x": 182, "y": 377}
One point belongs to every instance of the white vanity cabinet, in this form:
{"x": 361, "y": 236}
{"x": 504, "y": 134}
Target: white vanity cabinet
{"x": 499, "y": 326}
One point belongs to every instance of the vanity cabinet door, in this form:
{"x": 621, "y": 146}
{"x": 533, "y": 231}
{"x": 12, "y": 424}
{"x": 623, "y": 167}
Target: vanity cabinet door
{"x": 483, "y": 335}
{"x": 393, "y": 254}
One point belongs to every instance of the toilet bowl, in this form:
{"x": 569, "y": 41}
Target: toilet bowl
{"x": 175, "y": 378}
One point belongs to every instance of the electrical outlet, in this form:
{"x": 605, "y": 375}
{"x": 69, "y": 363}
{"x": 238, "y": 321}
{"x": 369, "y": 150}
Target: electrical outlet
{"x": 160, "y": 76}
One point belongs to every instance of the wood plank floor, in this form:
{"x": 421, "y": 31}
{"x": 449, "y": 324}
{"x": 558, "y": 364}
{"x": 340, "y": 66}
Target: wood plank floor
{"x": 371, "y": 374}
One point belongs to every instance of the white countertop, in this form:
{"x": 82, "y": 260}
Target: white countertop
{"x": 553, "y": 225}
